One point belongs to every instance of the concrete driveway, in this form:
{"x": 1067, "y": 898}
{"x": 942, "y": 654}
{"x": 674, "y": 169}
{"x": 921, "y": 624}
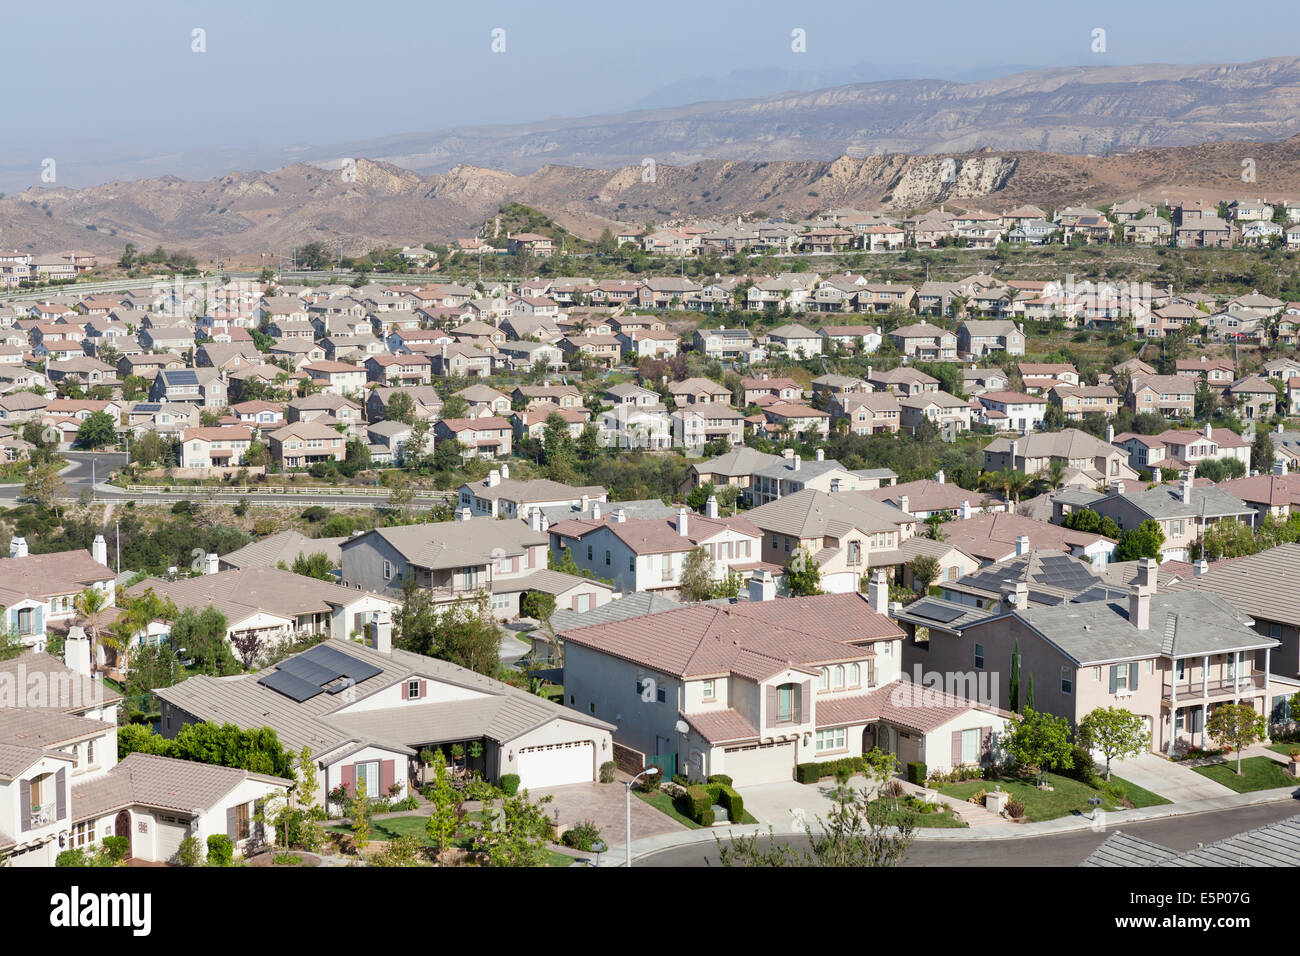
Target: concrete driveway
{"x": 1171, "y": 780}
{"x": 604, "y": 803}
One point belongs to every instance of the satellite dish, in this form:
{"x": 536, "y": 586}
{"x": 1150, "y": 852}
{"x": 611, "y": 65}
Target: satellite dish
{"x": 683, "y": 727}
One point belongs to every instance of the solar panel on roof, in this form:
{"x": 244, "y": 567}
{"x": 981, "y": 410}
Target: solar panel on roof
{"x": 937, "y": 612}
{"x": 183, "y": 377}
{"x": 309, "y": 671}
{"x": 295, "y": 688}
{"x": 344, "y": 665}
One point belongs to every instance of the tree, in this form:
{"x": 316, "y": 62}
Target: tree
{"x": 1144, "y": 541}
{"x": 455, "y": 406}
{"x": 462, "y": 632}
{"x": 1228, "y": 538}
{"x": 444, "y": 818}
{"x": 1014, "y": 679}
{"x": 857, "y": 832}
{"x": 44, "y": 485}
{"x": 1087, "y": 520}
{"x": 697, "y": 575}
{"x": 359, "y": 815}
{"x": 400, "y": 408}
{"x": 1041, "y": 742}
{"x": 925, "y": 570}
{"x": 90, "y": 606}
{"x": 203, "y": 635}
{"x": 518, "y": 835}
{"x": 315, "y": 565}
{"x": 1261, "y": 451}
{"x": 803, "y": 576}
{"x": 1238, "y": 726}
{"x": 98, "y": 429}
{"x": 1114, "y": 731}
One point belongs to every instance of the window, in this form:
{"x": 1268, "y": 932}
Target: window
{"x": 368, "y": 774}
{"x": 979, "y": 657}
{"x": 1275, "y": 630}
{"x": 606, "y": 559}
{"x": 388, "y": 571}
{"x": 1180, "y": 668}
{"x": 412, "y": 689}
{"x": 837, "y": 677}
{"x": 1067, "y": 681}
{"x": 834, "y": 739}
{"x": 589, "y": 552}
{"x": 785, "y": 704}
{"x": 241, "y": 819}
{"x": 855, "y": 675}
{"x": 824, "y": 679}
{"x": 970, "y": 746}
{"x": 707, "y": 690}
{"x": 90, "y": 752}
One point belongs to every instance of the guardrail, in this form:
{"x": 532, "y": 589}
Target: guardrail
{"x": 364, "y": 491}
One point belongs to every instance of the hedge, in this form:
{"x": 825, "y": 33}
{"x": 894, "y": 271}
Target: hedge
{"x": 812, "y": 772}
{"x": 509, "y": 784}
{"x": 720, "y": 778}
{"x": 697, "y": 803}
{"x": 916, "y": 773}
{"x": 221, "y": 850}
{"x": 726, "y": 796}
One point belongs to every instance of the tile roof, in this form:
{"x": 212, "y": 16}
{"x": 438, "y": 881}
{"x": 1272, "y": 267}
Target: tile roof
{"x": 164, "y": 783}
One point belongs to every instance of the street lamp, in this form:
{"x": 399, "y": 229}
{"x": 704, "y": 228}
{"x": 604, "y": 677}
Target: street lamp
{"x": 647, "y": 772}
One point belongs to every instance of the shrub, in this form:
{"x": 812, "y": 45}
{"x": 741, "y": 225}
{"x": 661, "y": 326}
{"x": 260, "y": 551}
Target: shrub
{"x": 916, "y": 773}
{"x": 582, "y": 836}
{"x": 484, "y": 791}
{"x": 607, "y": 771}
{"x": 706, "y": 818}
{"x": 1015, "y": 808}
{"x": 1084, "y": 770}
{"x": 75, "y": 857}
{"x": 286, "y": 859}
{"x": 726, "y": 796}
{"x": 719, "y": 778}
{"x": 696, "y": 801}
{"x": 190, "y": 852}
{"x": 977, "y": 797}
{"x": 116, "y": 848}
{"x": 510, "y": 784}
{"x": 221, "y": 850}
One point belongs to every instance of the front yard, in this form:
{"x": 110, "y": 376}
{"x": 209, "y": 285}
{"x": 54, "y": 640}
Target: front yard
{"x": 664, "y": 804}
{"x": 1257, "y": 773}
{"x": 1067, "y": 796}
{"x": 391, "y": 828}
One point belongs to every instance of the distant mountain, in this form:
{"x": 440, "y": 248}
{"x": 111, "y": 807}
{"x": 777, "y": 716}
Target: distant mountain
{"x": 244, "y": 214}
{"x": 1069, "y": 110}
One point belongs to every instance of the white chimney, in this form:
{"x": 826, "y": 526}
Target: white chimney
{"x": 586, "y": 502}
{"x": 878, "y": 593}
{"x": 1187, "y": 491}
{"x": 535, "y": 518}
{"x": 595, "y": 511}
{"x": 1147, "y": 573}
{"x": 1119, "y": 487}
{"x": 494, "y": 478}
{"x": 762, "y": 586}
{"x": 1200, "y": 567}
{"x": 505, "y": 471}
{"x": 681, "y": 522}
{"x": 76, "y": 651}
{"x": 787, "y": 453}
{"x": 99, "y": 550}
{"x": 381, "y": 628}
{"x": 965, "y": 511}
{"x": 620, "y": 516}
{"x": 797, "y": 462}
{"x": 821, "y": 454}
{"x": 1280, "y": 467}
{"x": 17, "y": 547}
{"x": 546, "y": 524}
{"x": 711, "y": 507}
{"x": 1209, "y": 432}
{"x": 1279, "y": 428}
{"x": 211, "y": 562}
{"x": 1022, "y": 545}
{"x": 1139, "y": 608}
{"x": 463, "y": 514}
{"x": 1110, "y": 434}
{"x": 904, "y": 503}
{"x": 939, "y": 476}
{"x": 1016, "y": 594}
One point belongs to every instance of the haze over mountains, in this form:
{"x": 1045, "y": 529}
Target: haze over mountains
{"x": 1073, "y": 110}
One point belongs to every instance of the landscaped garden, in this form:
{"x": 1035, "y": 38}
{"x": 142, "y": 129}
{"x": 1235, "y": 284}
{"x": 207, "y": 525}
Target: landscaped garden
{"x": 1257, "y": 773}
{"x": 1067, "y": 796}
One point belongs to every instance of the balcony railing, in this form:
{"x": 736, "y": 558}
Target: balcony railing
{"x": 1251, "y": 683}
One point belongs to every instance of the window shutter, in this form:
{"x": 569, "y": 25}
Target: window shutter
{"x": 424, "y": 688}
{"x": 349, "y": 778}
{"x": 25, "y": 805}
{"x": 771, "y": 704}
{"x": 61, "y": 793}
{"x": 1114, "y": 678}
{"x": 405, "y": 690}
{"x": 986, "y": 742}
{"x": 387, "y": 776}
{"x": 232, "y": 822}
{"x": 956, "y": 748}
{"x": 805, "y": 696}
{"x": 1133, "y": 676}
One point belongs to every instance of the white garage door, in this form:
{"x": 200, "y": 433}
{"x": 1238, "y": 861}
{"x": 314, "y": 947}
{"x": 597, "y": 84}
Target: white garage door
{"x": 759, "y": 763}
{"x": 554, "y": 765}
{"x": 169, "y": 832}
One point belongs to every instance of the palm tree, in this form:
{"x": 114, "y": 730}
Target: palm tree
{"x": 90, "y": 606}
{"x": 136, "y": 615}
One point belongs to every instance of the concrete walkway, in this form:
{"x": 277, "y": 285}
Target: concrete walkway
{"x": 1171, "y": 780}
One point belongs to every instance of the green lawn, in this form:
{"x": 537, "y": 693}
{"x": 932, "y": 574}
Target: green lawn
{"x": 1257, "y": 773}
{"x": 937, "y": 820}
{"x": 1137, "y": 795}
{"x": 1284, "y": 749}
{"x": 1067, "y": 796}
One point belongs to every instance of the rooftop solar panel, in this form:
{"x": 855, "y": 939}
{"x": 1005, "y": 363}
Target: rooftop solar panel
{"x": 308, "y": 670}
{"x": 344, "y": 665}
{"x": 183, "y": 377}
{"x": 937, "y": 612}
{"x": 295, "y": 688}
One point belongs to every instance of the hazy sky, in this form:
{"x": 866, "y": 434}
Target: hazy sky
{"x": 121, "y": 78}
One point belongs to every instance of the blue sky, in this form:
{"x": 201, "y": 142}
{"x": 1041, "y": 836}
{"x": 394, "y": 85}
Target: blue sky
{"x": 109, "y": 78}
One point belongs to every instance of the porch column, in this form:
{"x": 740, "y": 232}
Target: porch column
{"x": 1268, "y": 696}
{"x": 1173, "y": 708}
{"x": 1205, "y": 676}
{"x": 1205, "y": 717}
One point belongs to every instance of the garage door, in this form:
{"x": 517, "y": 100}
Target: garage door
{"x": 554, "y": 765}
{"x": 169, "y": 832}
{"x": 759, "y": 763}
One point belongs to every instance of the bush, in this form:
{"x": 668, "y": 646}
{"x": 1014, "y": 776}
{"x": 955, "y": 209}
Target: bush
{"x": 190, "y": 852}
{"x": 75, "y": 857}
{"x": 726, "y": 796}
{"x": 696, "y": 801}
{"x": 607, "y": 770}
{"x": 706, "y": 818}
{"x": 510, "y": 784}
{"x": 286, "y": 859}
{"x": 916, "y": 773}
{"x": 116, "y": 848}
{"x": 221, "y": 850}
{"x": 808, "y": 772}
{"x": 719, "y": 778}
{"x": 481, "y": 790}
{"x": 1015, "y": 808}
{"x": 582, "y": 836}
{"x": 1083, "y": 770}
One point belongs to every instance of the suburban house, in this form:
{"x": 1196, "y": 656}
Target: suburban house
{"x": 37, "y": 591}
{"x": 221, "y": 446}
{"x": 980, "y": 337}
{"x": 488, "y": 437}
{"x": 1079, "y": 454}
{"x": 500, "y": 496}
{"x": 1169, "y": 395}
{"x": 1012, "y": 411}
{"x": 304, "y": 443}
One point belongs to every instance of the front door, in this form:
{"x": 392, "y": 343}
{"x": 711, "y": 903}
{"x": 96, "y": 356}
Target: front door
{"x": 122, "y": 828}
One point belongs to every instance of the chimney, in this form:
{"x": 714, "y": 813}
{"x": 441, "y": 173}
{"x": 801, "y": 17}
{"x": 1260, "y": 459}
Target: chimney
{"x": 211, "y": 563}
{"x": 1280, "y": 467}
{"x": 711, "y": 507}
{"x": 821, "y": 454}
{"x": 99, "y": 550}
{"x": 965, "y": 511}
{"x": 463, "y": 514}
{"x": 494, "y": 478}
{"x": 76, "y": 651}
{"x": 505, "y": 471}
{"x": 17, "y": 547}
{"x": 1015, "y": 448}
{"x": 586, "y": 502}
{"x": 382, "y": 630}
{"x": 1139, "y": 608}
{"x": 681, "y": 522}
{"x": 620, "y": 516}
{"x": 546, "y": 524}
{"x": 797, "y": 462}
{"x": 1147, "y": 568}
{"x": 1200, "y": 567}
{"x": 1119, "y": 487}
{"x": 595, "y": 511}
{"x": 904, "y": 502}
{"x": 762, "y": 586}
{"x": 1279, "y": 428}
{"x": 1110, "y": 434}
{"x": 1016, "y": 594}
{"x": 535, "y": 518}
{"x": 787, "y": 453}
{"x": 1209, "y": 432}
{"x": 1187, "y": 491}
{"x": 878, "y": 593}
{"x": 1022, "y": 545}
{"x": 939, "y": 476}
